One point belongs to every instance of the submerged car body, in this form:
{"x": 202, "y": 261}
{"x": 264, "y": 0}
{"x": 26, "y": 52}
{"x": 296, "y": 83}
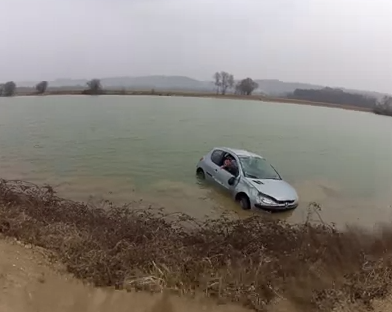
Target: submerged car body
{"x": 250, "y": 179}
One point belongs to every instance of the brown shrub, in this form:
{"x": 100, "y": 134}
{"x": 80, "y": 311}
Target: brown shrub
{"x": 252, "y": 261}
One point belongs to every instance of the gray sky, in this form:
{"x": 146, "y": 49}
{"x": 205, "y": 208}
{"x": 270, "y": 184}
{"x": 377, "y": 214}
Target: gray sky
{"x": 334, "y": 42}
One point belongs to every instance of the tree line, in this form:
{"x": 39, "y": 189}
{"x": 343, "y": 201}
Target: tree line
{"x": 338, "y": 96}
{"x": 225, "y": 81}
{"x": 9, "y": 88}
{"x": 222, "y": 80}
{"x": 333, "y": 96}
{"x": 384, "y": 107}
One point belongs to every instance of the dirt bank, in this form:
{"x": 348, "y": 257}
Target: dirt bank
{"x": 258, "y": 263}
{"x": 30, "y": 283}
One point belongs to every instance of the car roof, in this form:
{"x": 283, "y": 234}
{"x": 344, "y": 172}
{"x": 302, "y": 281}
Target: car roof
{"x": 238, "y": 152}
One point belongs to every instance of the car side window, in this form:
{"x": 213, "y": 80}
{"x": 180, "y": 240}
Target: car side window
{"x": 216, "y": 157}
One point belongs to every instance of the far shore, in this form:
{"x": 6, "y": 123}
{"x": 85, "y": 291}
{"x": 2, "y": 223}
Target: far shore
{"x": 198, "y": 94}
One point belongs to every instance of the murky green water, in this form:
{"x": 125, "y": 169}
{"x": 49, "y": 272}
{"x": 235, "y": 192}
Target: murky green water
{"x": 131, "y": 147}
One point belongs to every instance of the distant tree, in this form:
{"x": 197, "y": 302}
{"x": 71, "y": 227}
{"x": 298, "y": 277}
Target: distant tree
{"x": 8, "y": 89}
{"x": 94, "y": 87}
{"x": 227, "y": 82}
{"x": 223, "y": 81}
{"x": 384, "y": 106}
{"x": 237, "y": 88}
{"x": 246, "y": 86}
{"x": 41, "y": 87}
{"x": 1, "y": 89}
{"x": 217, "y": 78}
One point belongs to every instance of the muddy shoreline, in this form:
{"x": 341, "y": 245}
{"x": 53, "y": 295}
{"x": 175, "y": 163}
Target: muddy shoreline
{"x": 200, "y": 95}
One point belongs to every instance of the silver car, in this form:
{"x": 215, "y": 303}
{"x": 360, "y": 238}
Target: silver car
{"x": 248, "y": 177}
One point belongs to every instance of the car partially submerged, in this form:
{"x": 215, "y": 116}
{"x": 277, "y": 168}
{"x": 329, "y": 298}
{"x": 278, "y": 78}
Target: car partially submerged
{"x": 248, "y": 177}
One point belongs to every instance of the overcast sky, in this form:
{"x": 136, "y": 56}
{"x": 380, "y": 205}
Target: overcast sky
{"x": 331, "y": 42}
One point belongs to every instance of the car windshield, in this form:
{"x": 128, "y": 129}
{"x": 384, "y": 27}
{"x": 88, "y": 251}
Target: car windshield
{"x": 257, "y": 168}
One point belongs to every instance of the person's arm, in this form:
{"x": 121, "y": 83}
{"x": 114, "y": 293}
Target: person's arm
{"x": 225, "y": 164}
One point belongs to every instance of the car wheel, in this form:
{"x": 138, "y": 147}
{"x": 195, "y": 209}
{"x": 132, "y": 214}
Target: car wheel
{"x": 200, "y": 174}
{"x": 244, "y": 202}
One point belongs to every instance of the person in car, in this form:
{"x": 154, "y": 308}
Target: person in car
{"x": 230, "y": 165}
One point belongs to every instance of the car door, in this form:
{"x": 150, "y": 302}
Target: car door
{"x": 222, "y": 177}
{"x": 213, "y": 164}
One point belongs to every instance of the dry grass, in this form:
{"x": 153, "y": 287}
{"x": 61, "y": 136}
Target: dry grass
{"x": 252, "y": 261}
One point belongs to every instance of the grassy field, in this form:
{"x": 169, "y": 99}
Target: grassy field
{"x": 198, "y": 94}
{"x": 253, "y": 262}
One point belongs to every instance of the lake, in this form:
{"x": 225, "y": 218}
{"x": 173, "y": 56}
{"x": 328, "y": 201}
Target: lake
{"x": 128, "y": 148}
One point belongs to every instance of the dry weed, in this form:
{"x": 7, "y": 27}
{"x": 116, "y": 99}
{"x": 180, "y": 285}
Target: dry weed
{"x": 252, "y": 261}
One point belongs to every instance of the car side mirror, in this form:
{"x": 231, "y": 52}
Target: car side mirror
{"x": 231, "y": 181}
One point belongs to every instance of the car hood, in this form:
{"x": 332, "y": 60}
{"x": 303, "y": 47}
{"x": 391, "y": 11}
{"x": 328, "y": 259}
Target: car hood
{"x": 277, "y": 189}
